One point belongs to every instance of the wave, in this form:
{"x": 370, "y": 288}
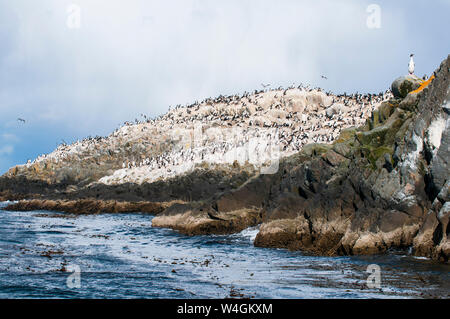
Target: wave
{"x": 250, "y": 233}
{"x": 6, "y": 203}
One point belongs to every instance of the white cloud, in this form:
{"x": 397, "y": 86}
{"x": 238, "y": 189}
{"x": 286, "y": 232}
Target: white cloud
{"x": 140, "y": 56}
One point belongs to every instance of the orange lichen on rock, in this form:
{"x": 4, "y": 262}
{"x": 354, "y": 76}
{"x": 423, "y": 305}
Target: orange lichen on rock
{"x": 423, "y": 85}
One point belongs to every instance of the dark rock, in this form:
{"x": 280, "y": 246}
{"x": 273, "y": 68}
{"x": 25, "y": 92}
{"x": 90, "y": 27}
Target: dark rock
{"x": 199, "y": 219}
{"x": 88, "y": 206}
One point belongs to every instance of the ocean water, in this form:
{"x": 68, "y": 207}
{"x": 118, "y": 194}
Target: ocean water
{"x": 55, "y": 255}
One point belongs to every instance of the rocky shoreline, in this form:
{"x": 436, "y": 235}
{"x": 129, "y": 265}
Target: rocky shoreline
{"x": 191, "y": 219}
{"x": 88, "y": 206}
{"x": 384, "y": 185}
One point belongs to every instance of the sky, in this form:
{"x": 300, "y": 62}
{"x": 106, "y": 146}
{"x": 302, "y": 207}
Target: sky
{"x": 79, "y": 68}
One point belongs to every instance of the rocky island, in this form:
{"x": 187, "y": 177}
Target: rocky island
{"x": 322, "y": 173}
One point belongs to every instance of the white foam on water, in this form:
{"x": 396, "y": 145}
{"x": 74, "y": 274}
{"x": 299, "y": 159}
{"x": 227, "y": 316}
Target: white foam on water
{"x": 420, "y": 258}
{"x": 6, "y": 203}
{"x": 250, "y": 233}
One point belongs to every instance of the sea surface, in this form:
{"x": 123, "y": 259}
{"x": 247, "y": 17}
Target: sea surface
{"x": 56, "y": 255}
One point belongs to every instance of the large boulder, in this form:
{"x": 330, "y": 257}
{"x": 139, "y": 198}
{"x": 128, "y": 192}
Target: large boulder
{"x": 405, "y": 84}
{"x": 197, "y": 218}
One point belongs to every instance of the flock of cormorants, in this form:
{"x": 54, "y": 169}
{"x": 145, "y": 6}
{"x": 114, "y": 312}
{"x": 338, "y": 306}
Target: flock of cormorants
{"x": 285, "y": 118}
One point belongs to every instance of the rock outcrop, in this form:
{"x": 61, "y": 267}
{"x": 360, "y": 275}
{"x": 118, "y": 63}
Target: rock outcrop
{"x": 382, "y": 186}
{"x": 89, "y": 206}
{"x": 378, "y": 187}
{"x": 199, "y": 219}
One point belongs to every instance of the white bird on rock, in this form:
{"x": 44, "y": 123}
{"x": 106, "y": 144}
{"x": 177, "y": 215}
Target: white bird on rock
{"x": 411, "y": 64}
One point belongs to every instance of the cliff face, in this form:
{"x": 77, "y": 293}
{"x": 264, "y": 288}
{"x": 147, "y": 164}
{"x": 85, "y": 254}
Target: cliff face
{"x": 384, "y": 185}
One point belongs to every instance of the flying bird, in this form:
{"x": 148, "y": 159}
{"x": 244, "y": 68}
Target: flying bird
{"x": 411, "y": 64}
{"x": 21, "y": 120}
{"x": 265, "y": 85}
{"x": 324, "y": 77}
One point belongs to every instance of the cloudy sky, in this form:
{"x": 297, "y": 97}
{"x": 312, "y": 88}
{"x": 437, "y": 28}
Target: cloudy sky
{"x": 76, "y": 68}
